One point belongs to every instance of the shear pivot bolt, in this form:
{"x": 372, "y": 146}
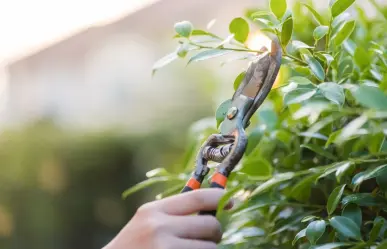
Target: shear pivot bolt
{"x": 232, "y": 112}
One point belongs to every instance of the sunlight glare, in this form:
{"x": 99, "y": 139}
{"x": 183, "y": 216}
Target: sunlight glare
{"x": 257, "y": 40}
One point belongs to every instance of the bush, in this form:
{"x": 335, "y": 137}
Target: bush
{"x": 314, "y": 173}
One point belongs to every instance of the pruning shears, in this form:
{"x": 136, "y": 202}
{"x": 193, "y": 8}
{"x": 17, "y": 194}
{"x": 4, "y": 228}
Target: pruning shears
{"x": 227, "y": 147}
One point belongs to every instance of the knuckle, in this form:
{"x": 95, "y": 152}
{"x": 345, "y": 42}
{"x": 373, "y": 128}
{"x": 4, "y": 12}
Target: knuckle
{"x": 155, "y": 226}
{"x": 145, "y": 210}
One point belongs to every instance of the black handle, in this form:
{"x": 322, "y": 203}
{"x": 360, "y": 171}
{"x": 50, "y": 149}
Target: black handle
{"x": 186, "y": 189}
{"x": 213, "y": 212}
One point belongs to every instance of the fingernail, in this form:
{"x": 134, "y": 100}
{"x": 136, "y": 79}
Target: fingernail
{"x": 229, "y": 205}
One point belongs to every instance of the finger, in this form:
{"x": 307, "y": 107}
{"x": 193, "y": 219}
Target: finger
{"x": 193, "y": 244}
{"x": 196, "y": 227}
{"x": 191, "y": 202}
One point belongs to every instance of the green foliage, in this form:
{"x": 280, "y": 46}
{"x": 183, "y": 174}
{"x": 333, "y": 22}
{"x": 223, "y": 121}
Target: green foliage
{"x": 53, "y": 180}
{"x": 314, "y": 173}
{"x": 240, "y": 28}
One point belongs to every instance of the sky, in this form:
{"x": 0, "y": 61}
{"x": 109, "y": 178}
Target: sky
{"x": 26, "y": 25}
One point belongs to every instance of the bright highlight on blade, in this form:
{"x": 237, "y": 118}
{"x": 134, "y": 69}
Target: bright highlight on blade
{"x": 257, "y": 40}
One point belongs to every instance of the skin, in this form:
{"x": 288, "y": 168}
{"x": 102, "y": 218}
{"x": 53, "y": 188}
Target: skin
{"x": 169, "y": 223}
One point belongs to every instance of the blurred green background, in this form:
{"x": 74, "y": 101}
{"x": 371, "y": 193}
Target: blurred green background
{"x": 61, "y": 189}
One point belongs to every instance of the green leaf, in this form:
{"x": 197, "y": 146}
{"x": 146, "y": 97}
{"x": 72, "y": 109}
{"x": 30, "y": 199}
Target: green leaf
{"x": 146, "y": 184}
{"x": 314, "y": 66}
{"x": 330, "y": 246}
{"x": 333, "y": 168}
{"x": 369, "y": 174}
{"x": 298, "y": 96}
{"x": 169, "y": 192}
{"x": 316, "y": 15}
{"x": 299, "y": 235}
{"x": 332, "y": 92}
{"x": 364, "y": 200}
{"x": 332, "y": 138}
{"x": 382, "y": 245}
{"x": 315, "y": 230}
{"x": 300, "y": 80}
{"x": 319, "y": 150}
{"x": 334, "y": 199}
{"x": 345, "y": 227}
{"x": 376, "y": 142}
{"x": 164, "y": 61}
{"x": 371, "y": 97}
{"x": 351, "y": 129}
{"x": 157, "y": 172}
{"x": 208, "y": 54}
{"x": 362, "y": 58}
{"x": 381, "y": 179}
{"x": 340, "y": 6}
{"x": 297, "y": 45}
{"x": 378, "y": 224}
{"x": 268, "y": 117}
{"x": 325, "y": 57}
{"x": 342, "y": 170}
{"x": 256, "y": 167}
{"x": 301, "y": 69}
{"x": 225, "y": 41}
{"x": 277, "y": 179}
{"x": 308, "y": 218}
{"x": 238, "y": 80}
{"x": 320, "y": 32}
{"x": 184, "y": 28}
{"x": 198, "y": 32}
{"x": 344, "y": 32}
{"x": 240, "y": 28}
{"x": 268, "y": 24}
{"x": 221, "y": 111}
{"x": 353, "y": 212}
{"x": 287, "y": 30}
{"x": 278, "y": 7}
{"x": 253, "y": 140}
{"x": 302, "y": 190}
{"x": 260, "y": 13}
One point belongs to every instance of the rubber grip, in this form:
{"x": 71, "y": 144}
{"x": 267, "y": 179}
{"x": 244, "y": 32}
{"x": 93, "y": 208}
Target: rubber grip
{"x": 192, "y": 184}
{"x": 213, "y": 212}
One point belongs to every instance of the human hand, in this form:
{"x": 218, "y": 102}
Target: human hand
{"x": 168, "y": 223}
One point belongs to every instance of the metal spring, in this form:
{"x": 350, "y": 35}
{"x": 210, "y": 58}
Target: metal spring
{"x": 217, "y": 154}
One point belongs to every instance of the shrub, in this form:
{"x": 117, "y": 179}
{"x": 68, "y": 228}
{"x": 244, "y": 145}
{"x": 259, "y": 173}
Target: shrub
{"x": 314, "y": 174}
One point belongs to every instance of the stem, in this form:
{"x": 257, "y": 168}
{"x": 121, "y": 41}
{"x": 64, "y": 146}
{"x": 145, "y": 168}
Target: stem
{"x": 295, "y": 204}
{"x": 356, "y": 160}
{"x": 223, "y": 48}
{"x": 295, "y": 58}
{"x": 328, "y": 37}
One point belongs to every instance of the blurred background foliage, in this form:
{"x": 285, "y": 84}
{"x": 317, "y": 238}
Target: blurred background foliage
{"x": 62, "y": 189}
